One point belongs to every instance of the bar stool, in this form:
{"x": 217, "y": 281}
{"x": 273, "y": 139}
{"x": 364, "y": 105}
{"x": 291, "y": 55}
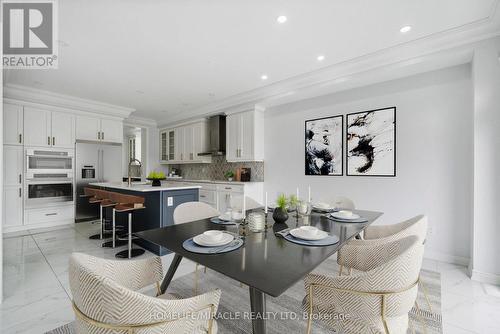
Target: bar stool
{"x": 105, "y": 202}
{"x": 91, "y": 193}
{"x": 129, "y": 204}
{"x": 115, "y": 198}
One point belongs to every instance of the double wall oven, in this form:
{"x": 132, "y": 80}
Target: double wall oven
{"x": 49, "y": 177}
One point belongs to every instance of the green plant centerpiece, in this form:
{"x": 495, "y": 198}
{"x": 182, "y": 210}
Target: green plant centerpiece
{"x": 280, "y": 214}
{"x": 294, "y": 202}
{"x": 156, "y": 178}
{"x": 229, "y": 175}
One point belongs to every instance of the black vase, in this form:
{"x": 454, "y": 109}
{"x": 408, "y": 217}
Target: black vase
{"x": 156, "y": 183}
{"x": 280, "y": 216}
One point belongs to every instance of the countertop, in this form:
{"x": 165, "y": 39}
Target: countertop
{"x": 142, "y": 186}
{"x": 178, "y": 179}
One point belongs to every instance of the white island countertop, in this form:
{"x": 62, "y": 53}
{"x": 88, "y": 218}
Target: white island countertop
{"x": 142, "y": 186}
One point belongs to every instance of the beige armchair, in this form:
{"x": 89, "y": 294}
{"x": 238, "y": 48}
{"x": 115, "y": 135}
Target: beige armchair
{"x": 375, "y": 300}
{"x": 106, "y": 300}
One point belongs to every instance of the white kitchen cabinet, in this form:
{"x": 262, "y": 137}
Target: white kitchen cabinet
{"x": 88, "y": 128}
{"x": 182, "y": 144}
{"x": 111, "y": 130}
{"x": 63, "y": 130}
{"x": 13, "y": 165}
{"x": 37, "y": 129}
{"x": 244, "y": 136}
{"x": 12, "y": 124}
{"x": 44, "y": 128}
{"x": 13, "y": 185}
{"x": 163, "y": 146}
{"x": 99, "y": 129}
{"x": 179, "y": 144}
{"x": 188, "y": 143}
{"x": 12, "y": 206}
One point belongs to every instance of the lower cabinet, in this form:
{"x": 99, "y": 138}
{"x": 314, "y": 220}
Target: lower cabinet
{"x": 12, "y": 207}
{"x": 63, "y": 214}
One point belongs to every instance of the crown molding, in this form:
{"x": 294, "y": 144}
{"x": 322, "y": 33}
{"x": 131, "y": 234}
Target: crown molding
{"x": 140, "y": 122}
{"x": 33, "y": 95}
{"x": 417, "y": 51}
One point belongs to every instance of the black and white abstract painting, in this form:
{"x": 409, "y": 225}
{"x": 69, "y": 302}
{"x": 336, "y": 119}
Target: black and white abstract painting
{"x": 371, "y": 143}
{"x": 323, "y": 143}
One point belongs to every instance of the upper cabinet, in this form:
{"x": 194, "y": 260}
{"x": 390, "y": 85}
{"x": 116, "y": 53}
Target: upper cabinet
{"x": 99, "y": 129}
{"x": 245, "y": 136}
{"x": 45, "y": 128}
{"x": 182, "y": 144}
{"x": 13, "y": 124}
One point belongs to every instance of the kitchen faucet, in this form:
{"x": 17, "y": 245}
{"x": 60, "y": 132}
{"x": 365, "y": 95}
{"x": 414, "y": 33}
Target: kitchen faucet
{"x": 129, "y": 165}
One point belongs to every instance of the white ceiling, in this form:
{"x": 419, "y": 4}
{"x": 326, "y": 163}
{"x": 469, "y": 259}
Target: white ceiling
{"x": 165, "y": 58}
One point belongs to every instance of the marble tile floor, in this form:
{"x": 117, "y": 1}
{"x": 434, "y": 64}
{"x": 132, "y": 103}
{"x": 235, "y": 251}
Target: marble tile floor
{"x": 37, "y": 297}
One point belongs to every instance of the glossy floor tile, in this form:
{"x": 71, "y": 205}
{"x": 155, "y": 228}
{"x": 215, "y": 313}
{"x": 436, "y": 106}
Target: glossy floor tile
{"x": 37, "y": 297}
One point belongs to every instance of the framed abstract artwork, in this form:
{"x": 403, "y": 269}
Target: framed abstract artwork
{"x": 371, "y": 143}
{"x": 323, "y": 146}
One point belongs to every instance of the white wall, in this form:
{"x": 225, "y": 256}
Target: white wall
{"x": 434, "y": 155}
{"x": 485, "y": 264}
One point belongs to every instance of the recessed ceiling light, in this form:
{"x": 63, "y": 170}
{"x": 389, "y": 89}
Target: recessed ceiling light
{"x": 263, "y": 76}
{"x": 405, "y": 29}
{"x": 321, "y": 58}
{"x": 281, "y": 19}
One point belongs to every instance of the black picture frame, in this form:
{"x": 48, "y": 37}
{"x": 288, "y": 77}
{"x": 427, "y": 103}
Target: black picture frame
{"x": 393, "y": 174}
{"x": 306, "y": 171}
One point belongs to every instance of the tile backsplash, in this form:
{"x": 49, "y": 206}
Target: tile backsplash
{"x": 216, "y": 169}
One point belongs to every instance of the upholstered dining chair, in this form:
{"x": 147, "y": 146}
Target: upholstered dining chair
{"x": 193, "y": 211}
{"x": 106, "y": 299}
{"x": 377, "y": 299}
{"x": 383, "y": 233}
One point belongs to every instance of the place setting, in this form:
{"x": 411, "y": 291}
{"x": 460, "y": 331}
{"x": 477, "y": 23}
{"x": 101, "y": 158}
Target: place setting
{"x": 346, "y": 216}
{"x": 308, "y": 236}
{"x": 228, "y": 218}
{"x": 213, "y": 242}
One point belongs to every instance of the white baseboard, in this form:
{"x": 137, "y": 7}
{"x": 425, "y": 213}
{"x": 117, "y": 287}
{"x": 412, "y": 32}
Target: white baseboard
{"x": 488, "y": 278}
{"x": 447, "y": 258}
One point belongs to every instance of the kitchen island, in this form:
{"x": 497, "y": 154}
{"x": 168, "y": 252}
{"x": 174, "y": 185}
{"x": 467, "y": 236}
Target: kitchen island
{"x": 160, "y": 203}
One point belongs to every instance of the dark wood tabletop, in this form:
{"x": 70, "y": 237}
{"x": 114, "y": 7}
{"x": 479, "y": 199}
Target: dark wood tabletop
{"x": 265, "y": 262}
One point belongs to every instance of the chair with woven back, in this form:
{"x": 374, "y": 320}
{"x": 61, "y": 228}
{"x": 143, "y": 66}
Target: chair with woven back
{"x": 106, "y": 299}
{"x": 375, "y": 299}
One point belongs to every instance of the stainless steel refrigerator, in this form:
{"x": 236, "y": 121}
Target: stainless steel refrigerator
{"x": 95, "y": 162}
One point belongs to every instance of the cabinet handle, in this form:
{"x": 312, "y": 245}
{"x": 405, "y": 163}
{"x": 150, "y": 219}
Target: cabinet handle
{"x": 181, "y": 156}
{"x": 228, "y": 188}
{"x": 48, "y": 140}
{"x": 102, "y": 135}
{"x": 19, "y": 192}
{"x": 51, "y": 214}
{"x": 98, "y": 134}
{"x": 202, "y": 196}
{"x": 53, "y": 141}
{"x": 191, "y": 157}
{"x": 20, "y": 138}
{"x": 20, "y": 176}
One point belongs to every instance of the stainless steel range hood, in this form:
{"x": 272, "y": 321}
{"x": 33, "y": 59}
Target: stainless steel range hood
{"x": 217, "y": 135}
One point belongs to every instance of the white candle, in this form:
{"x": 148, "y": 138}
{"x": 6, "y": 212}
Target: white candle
{"x": 297, "y": 192}
{"x": 244, "y": 208}
{"x": 309, "y": 195}
{"x": 265, "y": 207}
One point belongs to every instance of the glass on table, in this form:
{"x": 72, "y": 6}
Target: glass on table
{"x": 256, "y": 221}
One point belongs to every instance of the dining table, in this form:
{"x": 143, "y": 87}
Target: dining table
{"x": 267, "y": 263}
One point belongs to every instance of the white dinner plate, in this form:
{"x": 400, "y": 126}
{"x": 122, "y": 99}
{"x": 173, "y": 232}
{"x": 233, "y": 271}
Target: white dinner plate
{"x": 341, "y": 216}
{"x": 300, "y": 234}
{"x": 203, "y": 241}
{"x": 226, "y": 217}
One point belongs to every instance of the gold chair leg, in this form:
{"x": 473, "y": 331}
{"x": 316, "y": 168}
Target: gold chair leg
{"x": 158, "y": 289}
{"x": 340, "y": 271}
{"x": 205, "y": 270}
{"x": 350, "y": 271}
